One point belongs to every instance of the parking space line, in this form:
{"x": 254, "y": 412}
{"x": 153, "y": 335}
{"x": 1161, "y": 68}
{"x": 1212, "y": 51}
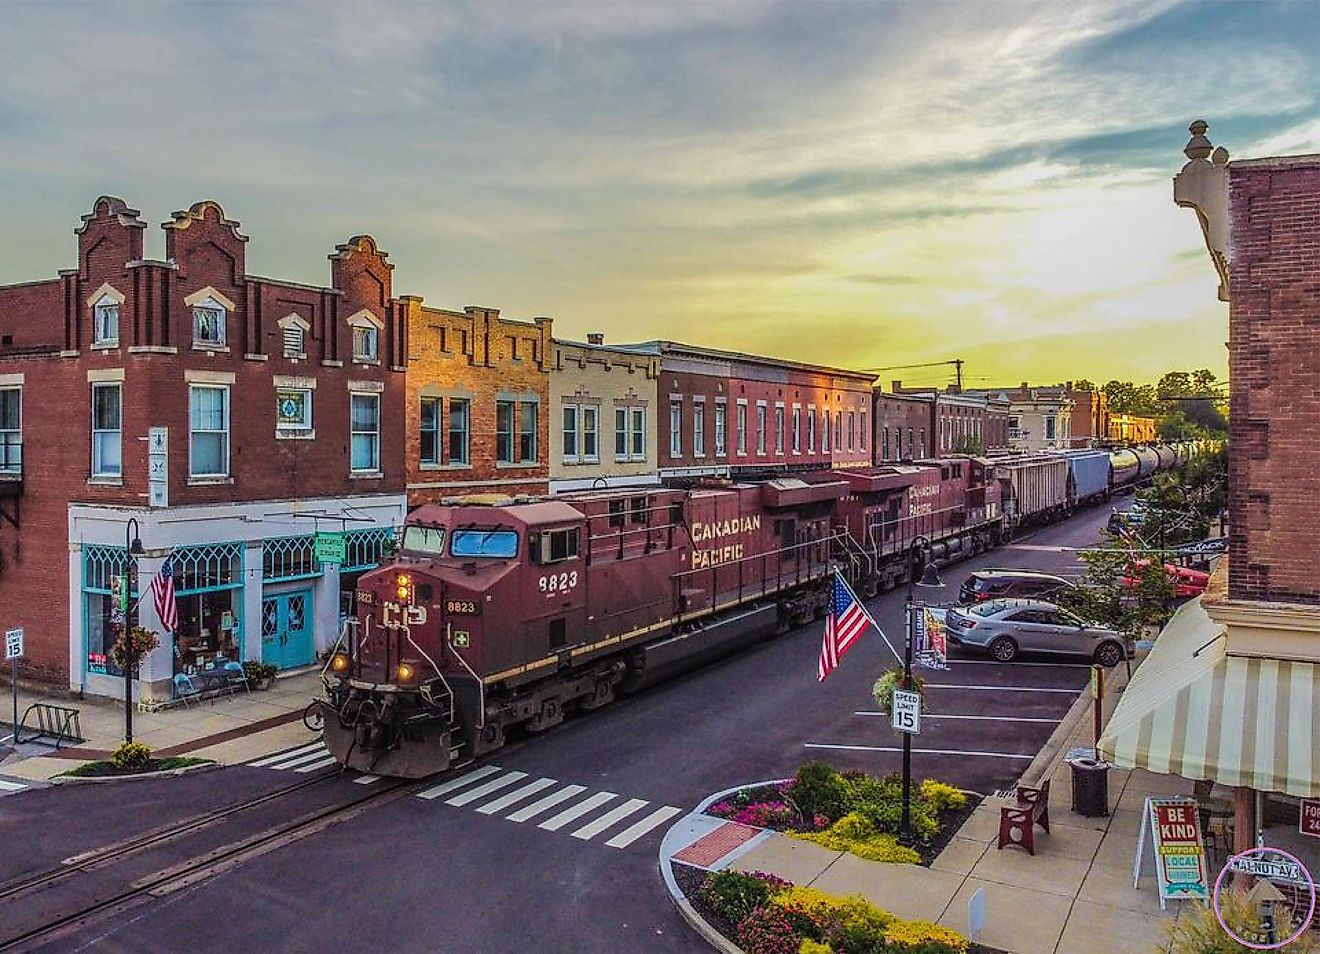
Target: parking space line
{"x": 947, "y": 685}
{"x": 982, "y": 718}
{"x": 994, "y": 662}
{"x": 891, "y": 748}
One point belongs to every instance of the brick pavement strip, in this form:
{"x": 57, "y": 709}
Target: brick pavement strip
{"x": 711, "y": 847}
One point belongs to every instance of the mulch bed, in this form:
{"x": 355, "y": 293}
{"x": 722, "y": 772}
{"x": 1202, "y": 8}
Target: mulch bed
{"x": 950, "y": 823}
{"x": 691, "y": 879}
{"x": 110, "y": 770}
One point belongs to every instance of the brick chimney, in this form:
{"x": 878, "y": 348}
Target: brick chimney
{"x": 896, "y": 386}
{"x": 595, "y": 338}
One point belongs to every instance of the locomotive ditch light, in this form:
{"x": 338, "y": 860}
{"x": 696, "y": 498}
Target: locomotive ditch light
{"x": 403, "y": 588}
{"x": 405, "y": 672}
{"x": 339, "y": 663}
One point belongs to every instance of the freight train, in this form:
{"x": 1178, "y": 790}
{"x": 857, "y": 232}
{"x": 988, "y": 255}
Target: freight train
{"x": 499, "y": 614}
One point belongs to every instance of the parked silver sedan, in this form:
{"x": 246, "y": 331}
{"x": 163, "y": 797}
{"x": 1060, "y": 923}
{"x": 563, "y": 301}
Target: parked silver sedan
{"x": 1005, "y": 628}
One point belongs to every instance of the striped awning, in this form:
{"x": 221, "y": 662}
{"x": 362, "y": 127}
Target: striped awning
{"x": 1195, "y": 711}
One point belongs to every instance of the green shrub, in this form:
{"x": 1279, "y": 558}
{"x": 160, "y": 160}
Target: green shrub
{"x": 818, "y": 790}
{"x": 768, "y": 930}
{"x": 734, "y": 895}
{"x": 814, "y": 947}
{"x": 855, "y": 833}
{"x": 942, "y": 797}
{"x": 131, "y": 755}
{"x": 850, "y": 925}
{"x": 1197, "y": 930}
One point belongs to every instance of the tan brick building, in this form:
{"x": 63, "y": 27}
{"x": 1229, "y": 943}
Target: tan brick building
{"x": 604, "y": 421}
{"x": 478, "y": 398}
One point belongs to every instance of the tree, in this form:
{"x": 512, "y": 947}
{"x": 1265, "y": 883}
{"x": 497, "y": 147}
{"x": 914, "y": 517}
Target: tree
{"x": 1102, "y": 596}
{"x": 1084, "y": 385}
{"x": 969, "y": 445}
{"x": 1174, "y": 384}
{"x": 1205, "y": 382}
{"x": 1204, "y": 415}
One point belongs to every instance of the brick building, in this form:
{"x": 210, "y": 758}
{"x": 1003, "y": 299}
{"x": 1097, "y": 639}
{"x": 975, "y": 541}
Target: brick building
{"x": 1038, "y": 418}
{"x": 478, "y": 393}
{"x": 1130, "y": 429}
{"x": 231, "y": 416}
{"x": 903, "y": 425}
{"x": 1245, "y": 659}
{"x": 603, "y": 403}
{"x": 960, "y": 421}
{"x": 1089, "y": 421}
{"x": 729, "y": 414}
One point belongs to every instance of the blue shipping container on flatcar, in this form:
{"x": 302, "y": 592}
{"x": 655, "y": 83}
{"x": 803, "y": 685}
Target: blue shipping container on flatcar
{"x": 1088, "y": 475}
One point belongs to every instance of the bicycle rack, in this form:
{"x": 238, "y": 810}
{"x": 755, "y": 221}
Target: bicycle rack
{"x": 58, "y": 722}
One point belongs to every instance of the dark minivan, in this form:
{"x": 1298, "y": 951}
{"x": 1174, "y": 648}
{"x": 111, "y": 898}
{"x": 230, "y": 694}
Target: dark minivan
{"x": 1011, "y": 584}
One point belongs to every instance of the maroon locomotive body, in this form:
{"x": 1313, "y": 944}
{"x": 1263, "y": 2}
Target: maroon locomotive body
{"x": 499, "y": 613}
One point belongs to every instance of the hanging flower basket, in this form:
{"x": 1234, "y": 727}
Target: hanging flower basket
{"x": 139, "y": 641}
{"x": 884, "y": 687}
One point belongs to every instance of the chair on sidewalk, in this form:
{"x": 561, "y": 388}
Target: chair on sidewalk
{"x": 1017, "y": 822}
{"x": 235, "y": 676}
{"x": 185, "y": 689}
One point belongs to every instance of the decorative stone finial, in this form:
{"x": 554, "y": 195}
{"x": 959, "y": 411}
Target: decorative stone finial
{"x": 1198, "y": 147}
{"x": 1220, "y": 156}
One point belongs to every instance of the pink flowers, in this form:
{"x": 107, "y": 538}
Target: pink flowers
{"x": 764, "y": 815}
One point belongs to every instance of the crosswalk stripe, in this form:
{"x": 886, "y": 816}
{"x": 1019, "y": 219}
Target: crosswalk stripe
{"x": 459, "y": 782}
{"x": 517, "y": 795}
{"x": 626, "y": 837}
{"x": 366, "y": 779}
{"x": 288, "y": 753}
{"x": 313, "y": 766}
{"x": 472, "y": 794}
{"x": 540, "y": 805}
{"x": 300, "y": 760}
{"x": 615, "y": 815}
{"x": 556, "y": 822}
{"x": 11, "y": 786}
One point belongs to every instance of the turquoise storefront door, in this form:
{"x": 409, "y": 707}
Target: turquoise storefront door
{"x": 286, "y": 629}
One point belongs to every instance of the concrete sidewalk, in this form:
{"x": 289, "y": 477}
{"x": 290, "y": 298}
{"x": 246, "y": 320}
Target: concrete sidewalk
{"x": 1074, "y": 896}
{"x": 228, "y": 729}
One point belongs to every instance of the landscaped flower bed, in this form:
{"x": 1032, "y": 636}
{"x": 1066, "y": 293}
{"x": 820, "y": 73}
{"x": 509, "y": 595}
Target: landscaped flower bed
{"x": 763, "y": 914}
{"x": 854, "y": 812}
{"x": 133, "y": 758}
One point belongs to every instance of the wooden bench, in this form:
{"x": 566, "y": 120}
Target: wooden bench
{"x": 1017, "y": 823}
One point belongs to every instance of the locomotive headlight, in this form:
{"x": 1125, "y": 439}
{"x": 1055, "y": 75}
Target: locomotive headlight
{"x": 403, "y": 588}
{"x": 405, "y": 672}
{"x": 339, "y": 662}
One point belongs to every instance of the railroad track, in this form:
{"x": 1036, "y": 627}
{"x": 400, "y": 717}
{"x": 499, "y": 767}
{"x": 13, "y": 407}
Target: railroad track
{"x": 178, "y": 876}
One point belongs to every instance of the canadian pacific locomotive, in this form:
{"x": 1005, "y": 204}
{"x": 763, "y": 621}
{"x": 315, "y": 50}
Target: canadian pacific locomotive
{"x": 500, "y": 614}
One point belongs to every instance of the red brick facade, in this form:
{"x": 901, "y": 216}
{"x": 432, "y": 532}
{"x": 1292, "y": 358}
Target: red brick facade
{"x": 49, "y": 347}
{"x": 903, "y": 426}
{"x": 1274, "y": 366}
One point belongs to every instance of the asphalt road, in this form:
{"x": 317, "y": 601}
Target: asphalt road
{"x": 425, "y": 874}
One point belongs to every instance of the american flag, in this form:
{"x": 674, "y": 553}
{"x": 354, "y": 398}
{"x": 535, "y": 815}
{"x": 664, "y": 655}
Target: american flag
{"x": 846, "y": 621}
{"x": 162, "y": 592}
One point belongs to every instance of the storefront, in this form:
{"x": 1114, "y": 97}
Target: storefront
{"x": 208, "y": 587}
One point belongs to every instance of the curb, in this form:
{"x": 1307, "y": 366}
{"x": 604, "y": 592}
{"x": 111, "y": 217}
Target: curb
{"x": 695, "y": 921}
{"x": 168, "y": 773}
{"x": 1040, "y": 765}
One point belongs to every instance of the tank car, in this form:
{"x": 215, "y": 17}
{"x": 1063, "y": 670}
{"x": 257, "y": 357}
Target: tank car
{"x": 1124, "y": 467}
{"x": 500, "y": 614}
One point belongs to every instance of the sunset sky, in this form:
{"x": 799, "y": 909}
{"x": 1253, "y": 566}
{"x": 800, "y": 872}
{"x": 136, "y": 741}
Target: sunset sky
{"x": 863, "y": 185}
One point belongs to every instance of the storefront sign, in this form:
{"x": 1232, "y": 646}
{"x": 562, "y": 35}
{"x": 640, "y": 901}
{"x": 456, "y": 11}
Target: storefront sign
{"x": 158, "y": 468}
{"x": 1280, "y": 902}
{"x": 330, "y": 548}
{"x": 1310, "y": 823}
{"x": 1175, "y": 833}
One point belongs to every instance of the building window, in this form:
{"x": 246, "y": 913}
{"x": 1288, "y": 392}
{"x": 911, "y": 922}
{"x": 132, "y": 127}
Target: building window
{"x": 779, "y": 429}
{"x": 1049, "y": 427}
{"x": 811, "y": 430}
{"x": 504, "y": 420}
{"x": 698, "y": 429}
{"x": 675, "y": 428}
{"x": 209, "y": 323}
{"x": 364, "y": 435}
{"x": 293, "y": 409}
{"x": 921, "y": 452}
{"x": 884, "y": 446}
{"x": 620, "y": 433}
{"x": 639, "y": 433}
{"x": 429, "y": 431}
{"x": 208, "y": 438}
{"x": 11, "y": 430}
{"x": 797, "y": 430}
{"x": 459, "y": 414}
{"x": 591, "y": 433}
{"x": 898, "y": 439}
{"x": 105, "y": 324}
{"x": 366, "y": 344}
{"x": 107, "y": 431}
{"x": 861, "y": 434}
{"x": 852, "y": 429}
{"x": 912, "y": 446}
{"x": 825, "y": 435}
{"x": 103, "y": 571}
{"x": 527, "y": 432}
{"x": 760, "y": 428}
{"x": 742, "y": 430}
{"x": 721, "y": 437}
{"x": 838, "y": 431}
{"x": 571, "y": 432}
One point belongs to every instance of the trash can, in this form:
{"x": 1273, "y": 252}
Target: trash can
{"x": 1090, "y": 787}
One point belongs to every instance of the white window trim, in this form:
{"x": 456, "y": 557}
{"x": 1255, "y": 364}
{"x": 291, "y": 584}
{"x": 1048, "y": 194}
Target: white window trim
{"x": 721, "y": 428}
{"x": 104, "y": 474}
{"x": 634, "y": 432}
{"x": 467, "y": 431}
{"x": 365, "y": 319}
{"x": 7, "y": 383}
{"x": 283, "y": 429}
{"x": 699, "y": 418}
{"x": 675, "y": 433}
{"x": 211, "y": 303}
{"x": 228, "y": 409}
{"x": 375, "y": 469}
{"x": 576, "y": 456}
{"x": 303, "y": 326}
{"x": 105, "y": 301}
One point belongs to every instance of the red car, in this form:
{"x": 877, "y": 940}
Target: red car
{"x": 1186, "y": 582}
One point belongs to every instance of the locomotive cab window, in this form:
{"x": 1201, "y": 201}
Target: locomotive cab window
{"x": 418, "y": 539}
{"x": 497, "y": 544}
{"x": 558, "y": 545}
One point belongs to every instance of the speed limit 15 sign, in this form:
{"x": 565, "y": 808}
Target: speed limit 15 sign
{"x": 907, "y": 711}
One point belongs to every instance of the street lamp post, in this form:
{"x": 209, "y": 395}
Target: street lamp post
{"x": 133, "y": 544}
{"x": 929, "y": 578}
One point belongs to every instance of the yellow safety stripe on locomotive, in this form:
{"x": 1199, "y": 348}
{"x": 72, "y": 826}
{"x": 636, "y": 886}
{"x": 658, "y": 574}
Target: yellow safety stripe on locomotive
{"x": 623, "y": 637}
